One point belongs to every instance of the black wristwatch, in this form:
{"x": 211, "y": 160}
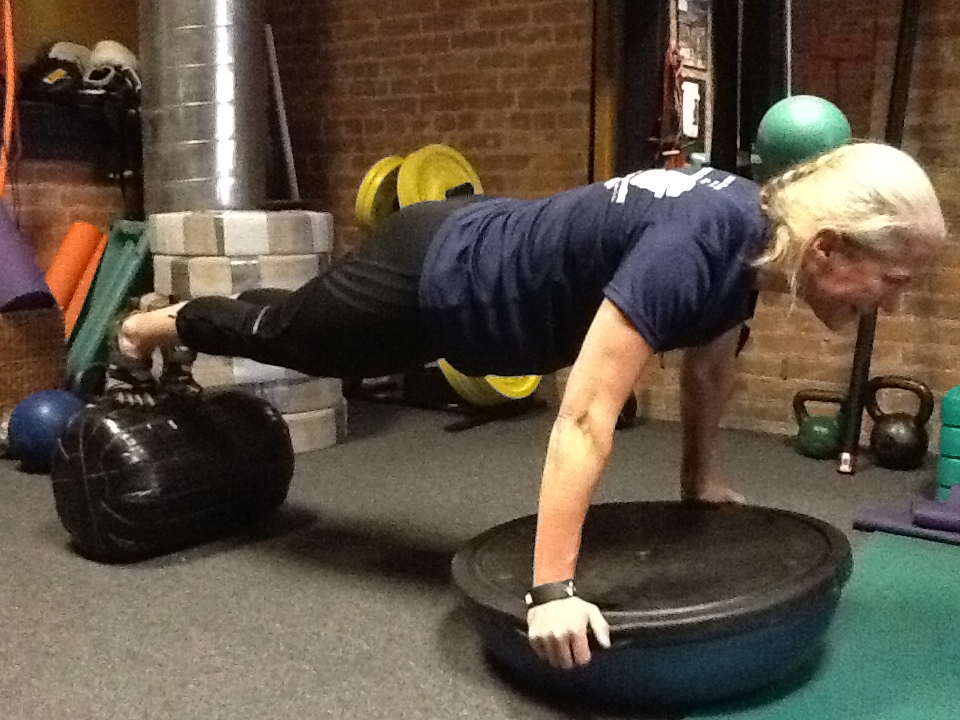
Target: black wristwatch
{"x": 548, "y": 592}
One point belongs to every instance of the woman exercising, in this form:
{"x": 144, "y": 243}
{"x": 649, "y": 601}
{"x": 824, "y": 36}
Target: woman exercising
{"x": 602, "y": 278}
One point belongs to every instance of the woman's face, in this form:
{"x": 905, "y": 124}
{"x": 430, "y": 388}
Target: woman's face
{"x": 841, "y": 282}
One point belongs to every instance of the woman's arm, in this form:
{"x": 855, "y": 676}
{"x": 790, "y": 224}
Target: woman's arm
{"x": 706, "y": 383}
{"x": 611, "y": 360}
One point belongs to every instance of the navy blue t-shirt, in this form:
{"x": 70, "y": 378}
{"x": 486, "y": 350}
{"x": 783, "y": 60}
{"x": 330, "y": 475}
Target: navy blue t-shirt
{"x": 510, "y": 286}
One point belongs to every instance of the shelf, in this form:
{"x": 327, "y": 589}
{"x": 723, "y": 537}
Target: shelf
{"x": 63, "y": 131}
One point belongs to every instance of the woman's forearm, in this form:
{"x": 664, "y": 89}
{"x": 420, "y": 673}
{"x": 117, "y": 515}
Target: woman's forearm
{"x": 702, "y": 403}
{"x": 576, "y": 455}
{"x": 706, "y": 383}
{"x": 607, "y": 368}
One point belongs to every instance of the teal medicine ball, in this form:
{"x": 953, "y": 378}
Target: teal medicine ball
{"x": 796, "y": 129}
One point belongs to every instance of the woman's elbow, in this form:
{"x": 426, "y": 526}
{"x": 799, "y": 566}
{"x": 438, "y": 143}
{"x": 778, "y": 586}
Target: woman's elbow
{"x": 591, "y": 424}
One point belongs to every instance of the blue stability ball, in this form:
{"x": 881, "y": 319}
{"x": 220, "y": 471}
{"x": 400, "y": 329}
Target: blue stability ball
{"x": 36, "y": 424}
{"x": 795, "y": 129}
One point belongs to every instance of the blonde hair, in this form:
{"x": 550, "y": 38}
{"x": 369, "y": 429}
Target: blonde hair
{"x": 873, "y": 195}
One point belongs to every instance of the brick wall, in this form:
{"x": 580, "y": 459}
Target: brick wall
{"x": 845, "y": 51}
{"x": 49, "y": 196}
{"x": 507, "y": 83}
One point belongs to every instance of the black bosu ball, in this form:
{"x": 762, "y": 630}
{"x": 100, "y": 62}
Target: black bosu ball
{"x": 131, "y": 483}
{"x": 705, "y": 603}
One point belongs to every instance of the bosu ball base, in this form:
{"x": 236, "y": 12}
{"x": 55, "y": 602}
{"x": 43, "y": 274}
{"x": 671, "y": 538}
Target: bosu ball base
{"x": 705, "y": 603}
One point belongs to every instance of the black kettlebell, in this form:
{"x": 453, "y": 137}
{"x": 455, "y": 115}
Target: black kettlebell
{"x": 818, "y": 436}
{"x": 899, "y": 440}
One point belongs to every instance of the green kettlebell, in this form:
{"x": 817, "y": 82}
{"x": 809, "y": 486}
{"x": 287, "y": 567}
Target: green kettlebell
{"x": 819, "y": 436}
{"x": 899, "y": 440}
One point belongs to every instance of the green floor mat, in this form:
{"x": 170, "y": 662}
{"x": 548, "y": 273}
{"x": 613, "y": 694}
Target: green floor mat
{"x": 124, "y": 271}
{"x": 894, "y": 648}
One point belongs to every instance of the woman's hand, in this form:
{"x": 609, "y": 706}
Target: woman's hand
{"x": 712, "y": 491}
{"x": 558, "y": 631}
{"x": 706, "y": 382}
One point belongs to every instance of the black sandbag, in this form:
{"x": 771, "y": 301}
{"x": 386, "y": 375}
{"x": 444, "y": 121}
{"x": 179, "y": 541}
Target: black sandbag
{"x": 131, "y": 483}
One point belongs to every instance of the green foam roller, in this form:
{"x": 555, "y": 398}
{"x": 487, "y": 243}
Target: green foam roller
{"x": 950, "y": 441}
{"x": 943, "y": 492}
{"x": 124, "y": 271}
{"x": 950, "y": 407}
{"x": 948, "y": 471}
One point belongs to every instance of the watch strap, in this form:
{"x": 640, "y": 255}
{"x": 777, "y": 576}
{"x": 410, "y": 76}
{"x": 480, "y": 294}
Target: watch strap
{"x": 548, "y": 592}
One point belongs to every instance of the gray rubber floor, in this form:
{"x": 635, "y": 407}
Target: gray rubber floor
{"x": 341, "y": 607}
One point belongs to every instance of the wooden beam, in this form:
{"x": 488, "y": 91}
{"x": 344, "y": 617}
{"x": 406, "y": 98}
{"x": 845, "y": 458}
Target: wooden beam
{"x": 607, "y": 72}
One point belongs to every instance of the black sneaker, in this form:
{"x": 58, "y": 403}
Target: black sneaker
{"x": 176, "y": 378}
{"x": 129, "y": 381}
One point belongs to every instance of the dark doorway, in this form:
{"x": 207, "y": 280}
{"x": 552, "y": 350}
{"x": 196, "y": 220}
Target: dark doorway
{"x": 740, "y": 81}
{"x": 645, "y": 40}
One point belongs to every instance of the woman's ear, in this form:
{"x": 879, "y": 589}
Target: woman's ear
{"x": 825, "y": 243}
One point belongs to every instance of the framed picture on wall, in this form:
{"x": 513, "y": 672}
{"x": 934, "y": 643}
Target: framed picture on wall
{"x": 695, "y": 113}
{"x": 693, "y": 32}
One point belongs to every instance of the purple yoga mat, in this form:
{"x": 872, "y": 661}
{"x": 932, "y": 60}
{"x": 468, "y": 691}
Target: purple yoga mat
{"x": 22, "y": 282}
{"x": 939, "y": 515}
{"x": 915, "y": 518}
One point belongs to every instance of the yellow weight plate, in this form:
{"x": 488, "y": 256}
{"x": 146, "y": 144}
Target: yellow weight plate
{"x": 475, "y": 390}
{"x": 428, "y": 173}
{"x": 490, "y": 389}
{"x": 514, "y": 388}
{"x": 377, "y": 196}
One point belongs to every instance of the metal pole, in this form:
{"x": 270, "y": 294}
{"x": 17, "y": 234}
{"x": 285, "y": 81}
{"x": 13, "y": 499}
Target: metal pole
{"x": 788, "y": 11}
{"x": 896, "y": 114}
{"x": 281, "y": 107}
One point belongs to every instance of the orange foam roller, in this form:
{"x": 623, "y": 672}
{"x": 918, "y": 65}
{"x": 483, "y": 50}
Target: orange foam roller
{"x": 71, "y": 261}
{"x": 72, "y": 312}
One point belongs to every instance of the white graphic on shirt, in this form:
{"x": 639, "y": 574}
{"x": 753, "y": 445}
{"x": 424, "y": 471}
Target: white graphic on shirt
{"x": 719, "y": 184}
{"x": 662, "y": 183}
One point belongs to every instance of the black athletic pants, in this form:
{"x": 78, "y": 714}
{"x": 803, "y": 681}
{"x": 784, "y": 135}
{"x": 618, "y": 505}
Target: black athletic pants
{"x": 358, "y": 318}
